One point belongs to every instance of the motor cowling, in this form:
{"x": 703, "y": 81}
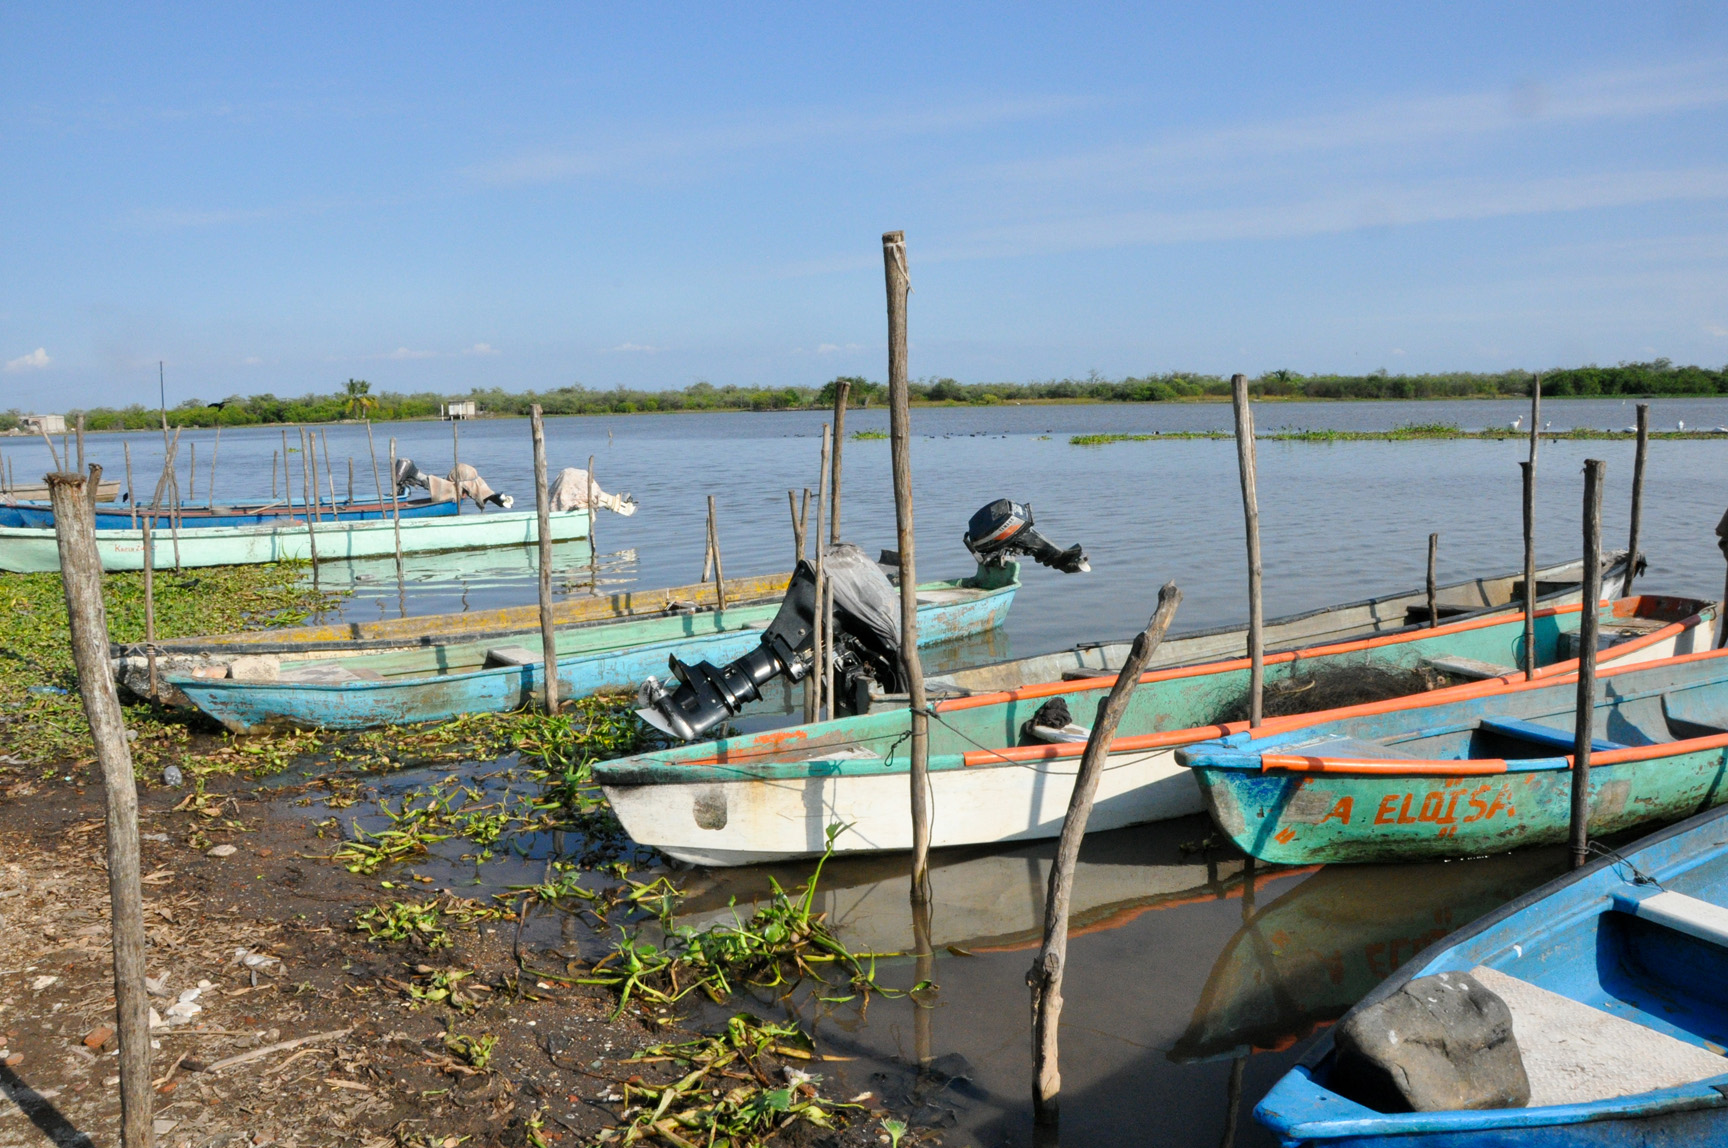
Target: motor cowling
{"x": 1002, "y": 529}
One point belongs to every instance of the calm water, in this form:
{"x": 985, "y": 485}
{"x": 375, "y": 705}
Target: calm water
{"x": 1192, "y": 983}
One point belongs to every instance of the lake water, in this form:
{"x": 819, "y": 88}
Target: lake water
{"x": 1193, "y": 983}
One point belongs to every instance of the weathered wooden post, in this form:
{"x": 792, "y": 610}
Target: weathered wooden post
{"x": 1535, "y": 415}
{"x": 1245, "y": 461}
{"x": 81, "y": 574}
{"x": 593, "y": 534}
{"x": 287, "y": 479}
{"x": 1045, "y": 975}
{"x": 543, "y": 516}
{"x": 150, "y": 603}
{"x": 1722, "y": 544}
{"x": 714, "y": 545}
{"x": 94, "y": 484}
{"x": 132, "y": 494}
{"x": 1433, "y": 606}
{"x": 329, "y": 477}
{"x": 350, "y": 481}
{"x": 215, "y": 452}
{"x": 1637, "y": 498}
{"x": 797, "y": 524}
{"x": 1584, "y": 723}
{"x": 396, "y": 531}
{"x": 1528, "y": 468}
{"x": 899, "y": 284}
{"x": 191, "y": 470}
{"x": 456, "y": 457}
{"x": 309, "y": 486}
{"x": 842, "y": 388}
{"x": 819, "y": 650}
{"x": 377, "y": 482}
{"x": 80, "y": 426}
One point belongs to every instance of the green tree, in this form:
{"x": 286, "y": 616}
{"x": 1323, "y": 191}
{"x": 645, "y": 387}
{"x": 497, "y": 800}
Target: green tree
{"x": 360, "y": 400}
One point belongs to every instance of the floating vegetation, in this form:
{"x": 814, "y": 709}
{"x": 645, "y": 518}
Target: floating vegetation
{"x": 867, "y": 435}
{"x": 783, "y": 942}
{"x": 727, "y": 1097}
{"x": 424, "y": 922}
{"x": 473, "y": 1051}
{"x": 1405, "y": 433}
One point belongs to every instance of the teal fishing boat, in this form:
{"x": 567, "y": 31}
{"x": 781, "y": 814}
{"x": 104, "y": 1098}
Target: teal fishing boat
{"x": 33, "y": 550}
{"x": 1002, "y": 765}
{"x": 1478, "y": 771}
{"x": 494, "y": 673}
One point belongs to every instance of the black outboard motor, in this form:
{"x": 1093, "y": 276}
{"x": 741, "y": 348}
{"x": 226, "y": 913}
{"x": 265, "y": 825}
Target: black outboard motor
{"x": 867, "y": 645}
{"x": 1004, "y": 528}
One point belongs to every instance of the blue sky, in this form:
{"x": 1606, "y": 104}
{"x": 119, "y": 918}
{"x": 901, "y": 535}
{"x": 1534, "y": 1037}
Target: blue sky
{"x": 437, "y": 197}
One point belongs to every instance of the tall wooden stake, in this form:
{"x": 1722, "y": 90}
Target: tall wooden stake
{"x": 131, "y": 494}
{"x": 842, "y": 388}
{"x": 593, "y": 534}
{"x": 396, "y": 531}
{"x": 797, "y": 524}
{"x": 543, "y": 518}
{"x": 215, "y": 450}
{"x": 329, "y": 478}
{"x": 192, "y": 471}
{"x": 150, "y": 603}
{"x": 309, "y": 483}
{"x": 900, "y": 444}
{"x": 1529, "y": 471}
{"x": 1637, "y": 498}
{"x": 377, "y": 482}
{"x": 287, "y": 480}
{"x": 81, "y": 573}
{"x": 350, "y": 481}
{"x": 1245, "y": 460}
{"x": 93, "y": 486}
{"x": 1584, "y": 723}
{"x": 714, "y": 545}
{"x": 1722, "y": 544}
{"x": 273, "y": 489}
{"x": 819, "y": 652}
{"x": 1433, "y": 607}
{"x": 1045, "y": 975}
{"x": 80, "y": 443}
{"x": 1535, "y": 415}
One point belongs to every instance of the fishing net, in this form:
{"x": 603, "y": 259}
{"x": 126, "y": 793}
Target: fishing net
{"x": 1299, "y": 690}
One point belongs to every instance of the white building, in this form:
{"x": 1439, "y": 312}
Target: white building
{"x": 462, "y": 409}
{"x": 43, "y": 424}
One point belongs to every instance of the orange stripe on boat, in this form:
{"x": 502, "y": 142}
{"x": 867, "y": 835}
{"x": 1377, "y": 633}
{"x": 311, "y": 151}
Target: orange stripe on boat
{"x": 1297, "y": 763}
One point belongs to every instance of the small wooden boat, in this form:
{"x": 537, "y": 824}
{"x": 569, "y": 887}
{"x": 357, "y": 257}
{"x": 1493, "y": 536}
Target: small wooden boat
{"x": 436, "y": 681}
{"x": 40, "y": 514}
{"x": 1613, "y": 977}
{"x": 33, "y": 549}
{"x": 772, "y": 795}
{"x": 106, "y": 491}
{"x": 1460, "y": 600}
{"x": 1479, "y": 770}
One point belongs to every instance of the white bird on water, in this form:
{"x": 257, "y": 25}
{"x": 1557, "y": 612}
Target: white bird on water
{"x": 1518, "y": 423}
{"x": 1681, "y": 424}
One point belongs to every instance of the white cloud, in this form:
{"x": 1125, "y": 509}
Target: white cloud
{"x": 251, "y": 360}
{"x": 1716, "y": 329}
{"x": 405, "y": 353}
{"x": 34, "y": 361}
{"x": 832, "y": 348}
{"x": 1397, "y": 350}
{"x": 642, "y": 347}
{"x": 482, "y": 349}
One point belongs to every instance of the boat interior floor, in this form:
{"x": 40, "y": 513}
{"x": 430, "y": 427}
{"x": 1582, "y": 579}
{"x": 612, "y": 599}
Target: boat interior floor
{"x": 1574, "y": 1054}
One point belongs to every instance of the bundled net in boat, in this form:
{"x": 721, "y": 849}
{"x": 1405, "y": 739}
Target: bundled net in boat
{"x": 1299, "y": 690}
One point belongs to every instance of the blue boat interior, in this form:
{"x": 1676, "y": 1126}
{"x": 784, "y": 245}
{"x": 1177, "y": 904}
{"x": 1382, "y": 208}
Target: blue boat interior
{"x": 1641, "y": 937}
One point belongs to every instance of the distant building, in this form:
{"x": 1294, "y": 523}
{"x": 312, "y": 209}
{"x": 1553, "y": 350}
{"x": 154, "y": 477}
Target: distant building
{"x": 458, "y": 410}
{"x": 46, "y": 424}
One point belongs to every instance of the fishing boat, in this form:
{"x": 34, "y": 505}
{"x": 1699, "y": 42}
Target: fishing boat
{"x": 1476, "y": 771}
{"x": 107, "y": 490}
{"x": 1613, "y": 979}
{"x": 41, "y": 514}
{"x": 490, "y": 674}
{"x": 1454, "y": 602}
{"x": 33, "y": 549}
{"x": 999, "y": 771}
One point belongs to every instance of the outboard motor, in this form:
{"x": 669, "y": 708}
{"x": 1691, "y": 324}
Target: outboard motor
{"x": 866, "y": 625}
{"x": 866, "y": 640}
{"x": 1004, "y": 528}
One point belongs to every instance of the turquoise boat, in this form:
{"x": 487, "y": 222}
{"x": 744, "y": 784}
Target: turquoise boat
{"x": 1613, "y": 978}
{"x": 994, "y": 777}
{"x": 34, "y": 550}
{"x": 280, "y": 512}
{"x": 1480, "y": 771}
{"x": 492, "y": 674}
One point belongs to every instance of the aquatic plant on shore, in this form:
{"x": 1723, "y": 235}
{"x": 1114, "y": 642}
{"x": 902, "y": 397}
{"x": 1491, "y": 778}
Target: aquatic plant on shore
{"x": 1407, "y": 433}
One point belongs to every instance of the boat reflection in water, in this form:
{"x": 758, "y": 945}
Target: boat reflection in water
{"x": 1302, "y": 960}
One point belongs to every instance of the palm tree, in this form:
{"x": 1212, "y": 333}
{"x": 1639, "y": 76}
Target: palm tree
{"x": 360, "y": 399}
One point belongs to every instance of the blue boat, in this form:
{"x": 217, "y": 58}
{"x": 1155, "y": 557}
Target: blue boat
{"x": 1616, "y": 977}
{"x": 113, "y": 517}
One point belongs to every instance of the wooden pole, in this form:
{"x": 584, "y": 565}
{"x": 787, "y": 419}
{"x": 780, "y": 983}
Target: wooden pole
{"x": 543, "y": 518}
{"x": 150, "y": 603}
{"x": 841, "y": 389}
{"x": 192, "y": 470}
{"x": 52, "y": 453}
{"x": 81, "y": 573}
{"x": 593, "y": 534}
{"x": 1637, "y": 498}
{"x": 377, "y": 482}
{"x": 131, "y": 494}
{"x": 899, "y": 285}
{"x": 309, "y": 488}
{"x": 1722, "y": 544}
{"x": 80, "y": 443}
{"x": 215, "y": 451}
{"x": 91, "y": 488}
{"x": 456, "y": 457}
{"x": 287, "y": 481}
{"x": 174, "y": 506}
{"x": 350, "y": 480}
{"x": 1584, "y": 721}
{"x": 1535, "y": 414}
{"x": 797, "y": 525}
{"x": 1433, "y": 607}
{"x": 818, "y": 652}
{"x": 1045, "y": 975}
{"x": 329, "y": 478}
{"x": 1245, "y": 460}
{"x": 714, "y": 544}
{"x": 707, "y": 546}
{"x": 273, "y": 494}
{"x": 1529, "y": 470}
{"x": 396, "y": 530}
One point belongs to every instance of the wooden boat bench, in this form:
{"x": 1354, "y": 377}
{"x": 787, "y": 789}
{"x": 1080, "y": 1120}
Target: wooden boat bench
{"x": 1676, "y": 911}
{"x": 1543, "y": 735}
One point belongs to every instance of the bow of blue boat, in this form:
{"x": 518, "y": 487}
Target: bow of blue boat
{"x": 1638, "y": 938}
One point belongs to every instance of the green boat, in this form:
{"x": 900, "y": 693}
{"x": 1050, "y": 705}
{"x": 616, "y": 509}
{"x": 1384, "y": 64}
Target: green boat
{"x": 1477, "y": 771}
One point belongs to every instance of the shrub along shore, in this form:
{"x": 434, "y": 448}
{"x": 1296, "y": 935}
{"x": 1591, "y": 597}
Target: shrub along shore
{"x": 356, "y": 398}
{"x": 1406, "y": 433}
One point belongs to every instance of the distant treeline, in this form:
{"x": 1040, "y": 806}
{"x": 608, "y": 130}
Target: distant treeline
{"x": 356, "y": 400}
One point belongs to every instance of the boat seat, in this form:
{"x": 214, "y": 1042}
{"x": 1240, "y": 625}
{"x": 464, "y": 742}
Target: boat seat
{"x": 1540, "y": 734}
{"x": 1084, "y": 675}
{"x": 945, "y": 597}
{"x": 326, "y": 674}
{"x": 1690, "y": 715}
{"x": 1677, "y": 911}
{"x": 514, "y": 656}
{"x": 1472, "y": 668}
